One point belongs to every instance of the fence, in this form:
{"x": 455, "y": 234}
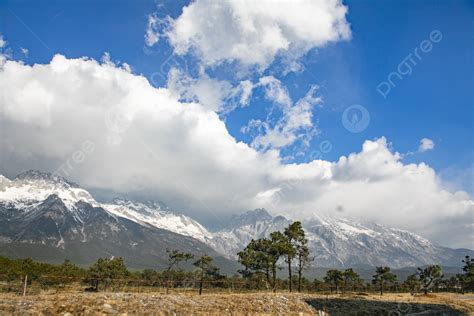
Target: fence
{"x": 58, "y": 283}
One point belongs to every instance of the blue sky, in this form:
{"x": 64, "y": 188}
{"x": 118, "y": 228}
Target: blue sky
{"x": 435, "y": 101}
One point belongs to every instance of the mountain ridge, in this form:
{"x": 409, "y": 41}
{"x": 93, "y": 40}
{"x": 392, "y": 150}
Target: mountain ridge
{"x": 42, "y": 199}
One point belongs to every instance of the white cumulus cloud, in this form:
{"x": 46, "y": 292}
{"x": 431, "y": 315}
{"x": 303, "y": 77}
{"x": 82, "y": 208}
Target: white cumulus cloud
{"x": 295, "y": 122}
{"x": 149, "y": 144}
{"x": 252, "y": 33}
{"x": 152, "y": 35}
{"x": 219, "y": 96}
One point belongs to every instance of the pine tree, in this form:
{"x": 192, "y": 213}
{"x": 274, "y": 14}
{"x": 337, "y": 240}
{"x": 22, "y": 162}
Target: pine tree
{"x": 334, "y": 278}
{"x": 278, "y": 246}
{"x": 428, "y": 276}
{"x": 206, "y": 269}
{"x": 175, "y": 257}
{"x": 292, "y": 234}
{"x": 304, "y": 259}
{"x": 350, "y": 277}
{"x": 467, "y": 278}
{"x": 297, "y": 248}
{"x": 383, "y": 277}
{"x": 262, "y": 255}
{"x": 412, "y": 283}
{"x": 256, "y": 259}
{"x": 107, "y": 270}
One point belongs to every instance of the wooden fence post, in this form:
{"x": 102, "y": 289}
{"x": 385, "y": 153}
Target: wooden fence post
{"x": 24, "y": 287}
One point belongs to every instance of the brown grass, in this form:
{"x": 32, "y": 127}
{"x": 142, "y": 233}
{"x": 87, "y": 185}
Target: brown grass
{"x": 233, "y": 304}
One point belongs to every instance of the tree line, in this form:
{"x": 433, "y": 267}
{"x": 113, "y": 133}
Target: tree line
{"x": 261, "y": 259}
{"x": 261, "y": 256}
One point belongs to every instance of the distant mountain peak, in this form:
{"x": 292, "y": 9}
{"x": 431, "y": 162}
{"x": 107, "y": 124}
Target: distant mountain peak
{"x": 252, "y": 216}
{"x": 34, "y": 186}
{"x": 260, "y": 212}
{"x": 156, "y": 205}
{"x": 36, "y": 175}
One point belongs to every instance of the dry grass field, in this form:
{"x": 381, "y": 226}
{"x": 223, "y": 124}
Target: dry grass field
{"x": 235, "y": 304}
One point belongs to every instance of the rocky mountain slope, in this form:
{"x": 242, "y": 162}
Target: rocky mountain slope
{"x": 341, "y": 242}
{"x": 50, "y": 219}
{"x": 43, "y": 211}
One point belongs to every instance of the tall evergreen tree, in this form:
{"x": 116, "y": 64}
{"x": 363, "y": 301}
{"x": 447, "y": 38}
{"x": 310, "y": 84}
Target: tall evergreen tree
{"x": 467, "y": 278}
{"x": 350, "y": 278}
{"x": 175, "y": 257}
{"x": 256, "y": 259}
{"x": 106, "y": 269}
{"x": 206, "y": 269}
{"x": 334, "y": 278}
{"x": 304, "y": 259}
{"x": 292, "y": 233}
{"x": 297, "y": 248}
{"x": 412, "y": 283}
{"x": 262, "y": 255}
{"x": 383, "y": 277}
{"x": 428, "y": 276}
{"x": 277, "y": 247}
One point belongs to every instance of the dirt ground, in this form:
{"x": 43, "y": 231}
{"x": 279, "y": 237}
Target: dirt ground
{"x": 235, "y": 304}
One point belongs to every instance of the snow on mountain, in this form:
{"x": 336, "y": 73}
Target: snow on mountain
{"x": 343, "y": 242}
{"x": 241, "y": 229}
{"x": 340, "y": 242}
{"x": 32, "y": 187}
{"x": 62, "y": 209}
{"x": 157, "y": 215}
{"x": 29, "y": 190}
{"x": 47, "y": 218}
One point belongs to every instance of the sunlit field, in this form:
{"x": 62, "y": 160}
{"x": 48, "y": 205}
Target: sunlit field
{"x": 282, "y": 303}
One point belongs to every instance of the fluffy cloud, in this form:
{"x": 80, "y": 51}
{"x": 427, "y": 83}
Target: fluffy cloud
{"x": 148, "y": 144}
{"x": 295, "y": 120}
{"x": 144, "y": 139}
{"x": 426, "y": 144}
{"x": 5, "y": 52}
{"x": 252, "y": 32}
{"x": 219, "y": 96}
{"x": 152, "y": 36}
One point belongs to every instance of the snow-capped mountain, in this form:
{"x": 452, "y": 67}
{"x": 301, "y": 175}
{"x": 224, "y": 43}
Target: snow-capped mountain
{"x": 340, "y": 242}
{"x": 42, "y": 209}
{"x": 158, "y": 215}
{"x": 31, "y": 188}
{"x": 49, "y": 218}
{"x": 337, "y": 241}
{"x": 241, "y": 229}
